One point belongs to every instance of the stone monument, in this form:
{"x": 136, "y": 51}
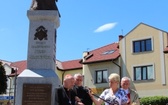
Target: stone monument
{"x": 36, "y": 84}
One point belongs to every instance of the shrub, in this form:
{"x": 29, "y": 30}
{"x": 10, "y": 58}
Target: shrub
{"x": 154, "y": 100}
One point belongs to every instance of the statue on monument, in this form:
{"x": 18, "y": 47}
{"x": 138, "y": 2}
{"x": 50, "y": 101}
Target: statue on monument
{"x": 43, "y": 5}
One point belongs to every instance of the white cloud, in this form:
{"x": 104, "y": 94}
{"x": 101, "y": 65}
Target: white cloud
{"x": 106, "y": 27}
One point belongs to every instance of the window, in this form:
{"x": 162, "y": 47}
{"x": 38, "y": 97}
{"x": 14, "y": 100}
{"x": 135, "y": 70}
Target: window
{"x": 144, "y": 73}
{"x": 101, "y": 76}
{"x": 108, "y": 52}
{"x": 142, "y": 45}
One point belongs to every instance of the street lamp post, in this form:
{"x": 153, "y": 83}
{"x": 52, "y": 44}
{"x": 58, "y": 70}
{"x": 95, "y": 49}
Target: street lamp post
{"x": 9, "y": 89}
{"x": 15, "y": 86}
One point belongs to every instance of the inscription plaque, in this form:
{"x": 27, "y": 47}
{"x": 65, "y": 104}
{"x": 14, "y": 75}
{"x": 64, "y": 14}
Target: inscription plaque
{"x": 36, "y": 94}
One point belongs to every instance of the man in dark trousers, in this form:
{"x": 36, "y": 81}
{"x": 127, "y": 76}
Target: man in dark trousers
{"x": 81, "y": 91}
{"x": 65, "y": 94}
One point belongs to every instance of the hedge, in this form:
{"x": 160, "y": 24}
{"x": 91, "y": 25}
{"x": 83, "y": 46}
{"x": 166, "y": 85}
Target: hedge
{"x": 154, "y": 100}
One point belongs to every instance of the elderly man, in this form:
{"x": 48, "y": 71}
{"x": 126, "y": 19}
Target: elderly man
{"x": 81, "y": 91}
{"x": 65, "y": 94}
{"x": 132, "y": 94}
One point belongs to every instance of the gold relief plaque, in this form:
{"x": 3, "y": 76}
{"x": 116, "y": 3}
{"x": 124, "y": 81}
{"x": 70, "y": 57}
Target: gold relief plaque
{"x": 36, "y": 94}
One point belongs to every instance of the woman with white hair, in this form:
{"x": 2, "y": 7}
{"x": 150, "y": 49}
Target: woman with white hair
{"x": 113, "y": 95}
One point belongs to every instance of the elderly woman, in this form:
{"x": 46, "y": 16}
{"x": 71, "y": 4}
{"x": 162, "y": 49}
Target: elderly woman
{"x": 113, "y": 95}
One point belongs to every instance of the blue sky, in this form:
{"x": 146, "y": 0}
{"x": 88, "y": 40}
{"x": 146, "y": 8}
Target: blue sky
{"x": 84, "y": 24}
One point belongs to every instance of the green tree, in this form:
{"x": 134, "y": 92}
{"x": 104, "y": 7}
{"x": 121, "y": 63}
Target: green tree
{"x": 3, "y": 79}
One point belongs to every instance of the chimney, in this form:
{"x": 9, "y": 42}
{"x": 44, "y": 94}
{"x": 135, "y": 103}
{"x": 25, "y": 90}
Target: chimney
{"x": 120, "y": 37}
{"x": 85, "y": 53}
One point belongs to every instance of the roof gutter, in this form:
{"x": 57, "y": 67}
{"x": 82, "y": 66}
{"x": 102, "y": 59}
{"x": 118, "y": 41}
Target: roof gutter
{"x": 63, "y": 76}
{"x": 119, "y": 68}
{"x": 97, "y": 61}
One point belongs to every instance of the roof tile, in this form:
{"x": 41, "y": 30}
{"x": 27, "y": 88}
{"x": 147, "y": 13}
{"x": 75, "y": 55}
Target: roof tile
{"x": 108, "y": 52}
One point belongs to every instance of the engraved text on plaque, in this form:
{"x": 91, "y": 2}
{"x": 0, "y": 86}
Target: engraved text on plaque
{"x": 36, "y": 94}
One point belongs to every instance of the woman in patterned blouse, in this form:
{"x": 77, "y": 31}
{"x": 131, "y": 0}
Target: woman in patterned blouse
{"x": 113, "y": 95}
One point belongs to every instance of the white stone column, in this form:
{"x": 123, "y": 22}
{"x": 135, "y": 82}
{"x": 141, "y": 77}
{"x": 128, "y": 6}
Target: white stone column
{"x": 40, "y": 73}
{"x": 42, "y": 39}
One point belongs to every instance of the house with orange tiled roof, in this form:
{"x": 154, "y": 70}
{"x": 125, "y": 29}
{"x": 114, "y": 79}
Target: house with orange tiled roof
{"x": 98, "y": 64}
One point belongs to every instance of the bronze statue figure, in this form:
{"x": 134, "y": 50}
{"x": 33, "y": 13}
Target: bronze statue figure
{"x": 43, "y": 5}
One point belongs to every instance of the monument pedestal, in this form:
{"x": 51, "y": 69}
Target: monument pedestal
{"x": 36, "y": 84}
